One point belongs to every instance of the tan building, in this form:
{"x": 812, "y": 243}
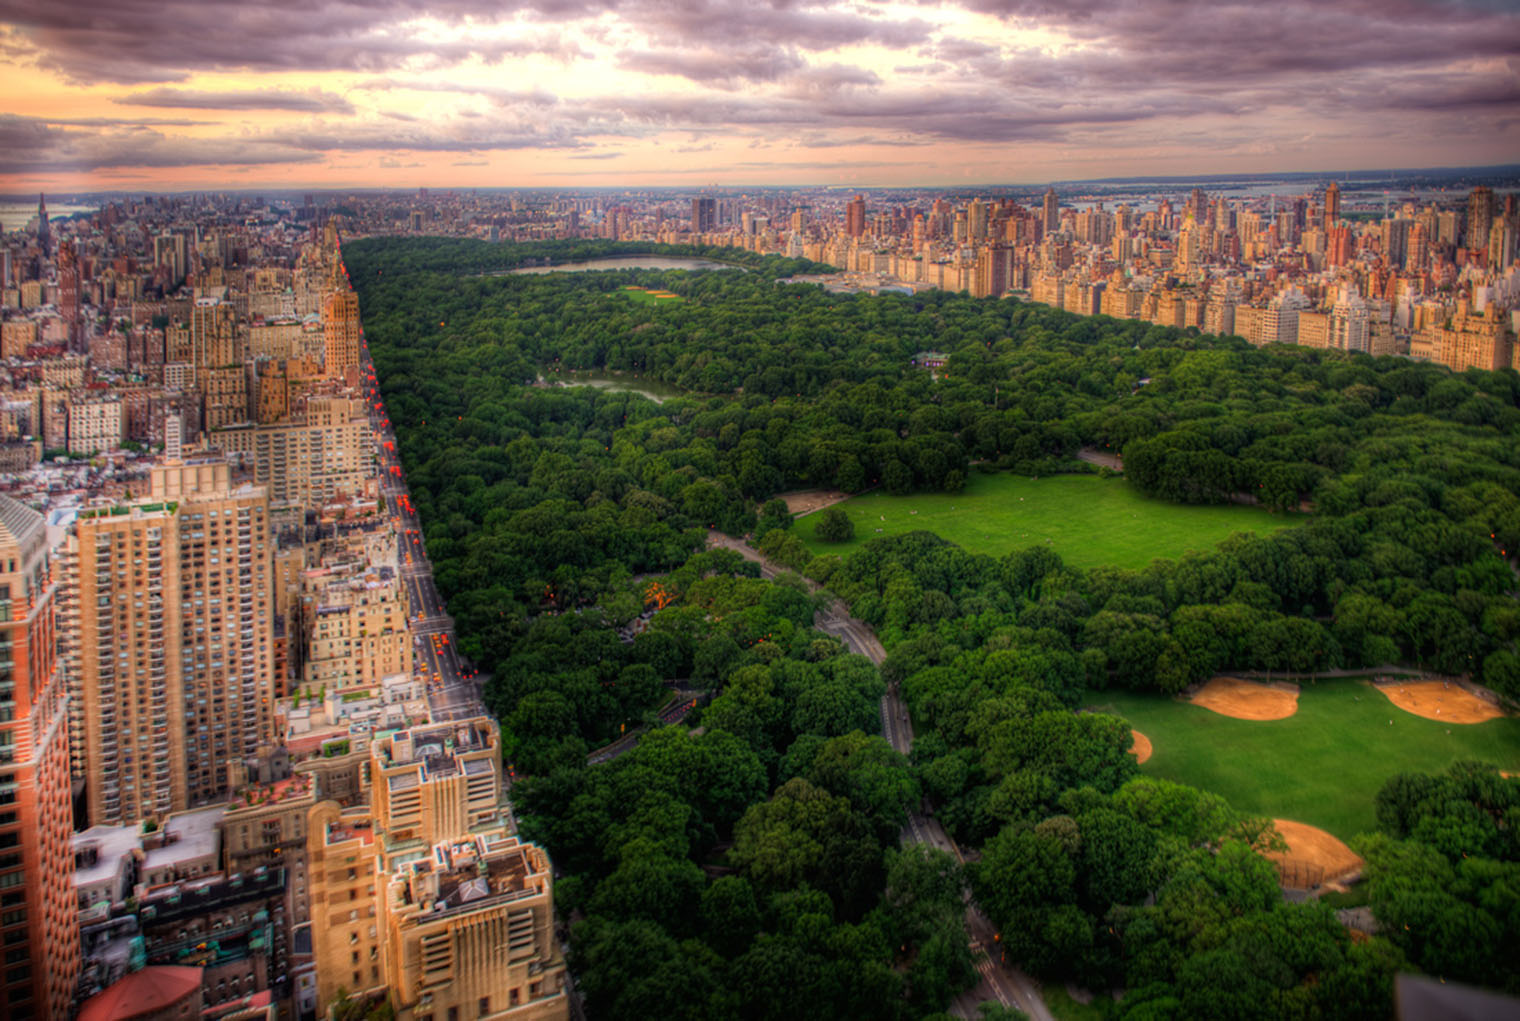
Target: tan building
{"x": 1121, "y": 302}
{"x": 217, "y": 350}
{"x": 1314, "y": 329}
{"x": 356, "y": 631}
{"x": 16, "y": 335}
{"x": 340, "y": 330}
{"x": 429, "y": 896}
{"x": 169, "y": 641}
{"x": 123, "y": 647}
{"x": 1474, "y": 340}
{"x": 312, "y": 461}
{"x": 95, "y": 421}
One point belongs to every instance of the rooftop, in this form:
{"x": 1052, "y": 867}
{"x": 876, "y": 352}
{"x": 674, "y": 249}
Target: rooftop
{"x": 142, "y": 992}
{"x": 108, "y": 845}
{"x": 187, "y": 835}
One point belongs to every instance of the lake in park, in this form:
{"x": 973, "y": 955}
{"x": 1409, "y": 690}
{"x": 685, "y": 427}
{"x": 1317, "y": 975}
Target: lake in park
{"x": 652, "y": 389}
{"x": 627, "y": 262}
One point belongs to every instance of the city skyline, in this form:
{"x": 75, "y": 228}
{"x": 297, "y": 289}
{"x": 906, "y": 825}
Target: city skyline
{"x": 455, "y": 94}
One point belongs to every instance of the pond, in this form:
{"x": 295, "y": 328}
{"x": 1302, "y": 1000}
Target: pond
{"x": 650, "y": 388}
{"x": 625, "y": 262}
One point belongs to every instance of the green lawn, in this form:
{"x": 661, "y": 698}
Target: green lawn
{"x": 1323, "y": 765}
{"x": 650, "y": 299}
{"x": 1090, "y": 521}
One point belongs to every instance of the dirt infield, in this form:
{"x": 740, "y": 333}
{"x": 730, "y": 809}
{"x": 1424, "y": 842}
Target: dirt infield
{"x": 1439, "y": 700}
{"x": 1247, "y": 700}
{"x": 1142, "y": 749}
{"x": 806, "y": 501}
{"x": 1313, "y": 857}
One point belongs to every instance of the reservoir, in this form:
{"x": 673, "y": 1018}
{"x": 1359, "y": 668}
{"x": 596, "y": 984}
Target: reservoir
{"x": 626, "y": 262}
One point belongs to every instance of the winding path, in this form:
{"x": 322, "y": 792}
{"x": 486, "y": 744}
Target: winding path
{"x": 1000, "y": 982}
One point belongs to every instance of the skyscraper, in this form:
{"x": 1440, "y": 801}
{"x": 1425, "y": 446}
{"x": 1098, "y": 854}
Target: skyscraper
{"x": 37, "y": 901}
{"x": 855, "y": 216}
{"x": 217, "y": 352}
{"x": 1052, "y": 211}
{"x": 1198, "y": 205}
{"x": 1480, "y": 216}
{"x": 704, "y": 215}
{"x": 44, "y": 229}
{"x": 1332, "y": 204}
{"x": 170, "y": 641}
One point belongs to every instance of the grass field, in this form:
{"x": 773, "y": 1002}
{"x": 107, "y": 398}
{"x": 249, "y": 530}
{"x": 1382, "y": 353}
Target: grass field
{"x": 1090, "y": 521}
{"x": 651, "y": 297}
{"x": 1323, "y": 765}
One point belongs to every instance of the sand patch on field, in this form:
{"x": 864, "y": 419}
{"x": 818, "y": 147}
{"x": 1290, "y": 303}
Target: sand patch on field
{"x": 1439, "y": 700}
{"x": 806, "y": 501}
{"x": 1247, "y": 700}
{"x": 1142, "y": 749}
{"x": 1313, "y": 858}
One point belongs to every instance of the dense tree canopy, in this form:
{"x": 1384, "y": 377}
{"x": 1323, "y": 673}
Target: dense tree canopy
{"x": 753, "y": 863}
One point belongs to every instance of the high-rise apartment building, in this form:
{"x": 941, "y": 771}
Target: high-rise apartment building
{"x": 1052, "y": 211}
{"x": 1480, "y": 216}
{"x": 217, "y": 353}
{"x": 704, "y": 215}
{"x": 1332, "y": 204}
{"x": 326, "y": 452}
{"x": 855, "y": 216}
{"x": 170, "y": 641}
{"x": 340, "y": 330}
{"x": 37, "y": 901}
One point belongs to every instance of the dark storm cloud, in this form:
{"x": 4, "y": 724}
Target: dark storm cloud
{"x": 309, "y": 101}
{"x": 164, "y": 40}
{"x": 29, "y": 145}
{"x": 1287, "y": 43}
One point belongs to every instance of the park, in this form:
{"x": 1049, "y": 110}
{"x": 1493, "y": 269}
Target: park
{"x": 1322, "y": 764}
{"x": 1091, "y": 521}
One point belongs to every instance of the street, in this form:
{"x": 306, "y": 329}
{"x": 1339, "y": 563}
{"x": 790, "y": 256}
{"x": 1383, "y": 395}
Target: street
{"x": 453, "y": 687}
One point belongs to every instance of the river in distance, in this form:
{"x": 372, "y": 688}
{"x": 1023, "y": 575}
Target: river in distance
{"x": 15, "y": 215}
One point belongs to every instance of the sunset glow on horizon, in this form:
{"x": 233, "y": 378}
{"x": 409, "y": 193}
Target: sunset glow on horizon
{"x": 185, "y": 94}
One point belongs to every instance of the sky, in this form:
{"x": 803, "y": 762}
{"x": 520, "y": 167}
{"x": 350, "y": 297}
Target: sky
{"x": 160, "y": 95}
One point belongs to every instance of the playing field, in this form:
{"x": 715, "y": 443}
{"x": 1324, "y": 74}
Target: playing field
{"x": 1090, "y": 521}
{"x": 648, "y": 297}
{"x": 1323, "y": 765}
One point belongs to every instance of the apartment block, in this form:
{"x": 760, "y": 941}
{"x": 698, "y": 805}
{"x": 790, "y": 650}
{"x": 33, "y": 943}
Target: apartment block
{"x": 308, "y": 462}
{"x": 170, "y": 641}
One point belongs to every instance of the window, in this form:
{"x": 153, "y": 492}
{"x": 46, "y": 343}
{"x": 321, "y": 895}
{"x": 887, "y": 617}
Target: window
{"x": 485, "y": 1006}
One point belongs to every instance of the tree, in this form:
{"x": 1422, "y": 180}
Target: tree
{"x": 834, "y": 525}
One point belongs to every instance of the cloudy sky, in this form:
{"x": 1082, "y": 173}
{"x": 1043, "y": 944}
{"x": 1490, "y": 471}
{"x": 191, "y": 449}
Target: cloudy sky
{"x": 164, "y": 94}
